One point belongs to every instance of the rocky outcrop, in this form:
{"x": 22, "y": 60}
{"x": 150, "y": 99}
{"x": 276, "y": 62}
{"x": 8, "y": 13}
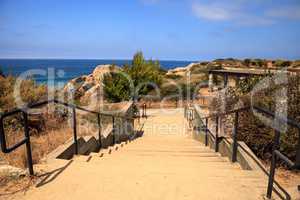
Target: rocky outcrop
{"x": 101, "y": 70}
{"x": 181, "y": 71}
{"x": 87, "y": 88}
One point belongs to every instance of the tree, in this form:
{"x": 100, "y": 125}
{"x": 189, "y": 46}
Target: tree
{"x": 116, "y": 87}
{"x": 144, "y": 74}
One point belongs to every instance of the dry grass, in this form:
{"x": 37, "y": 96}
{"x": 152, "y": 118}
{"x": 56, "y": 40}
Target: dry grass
{"x": 10, "y": 187}
{"x": 287, "y": 178}
{"x": 41, "y": 145}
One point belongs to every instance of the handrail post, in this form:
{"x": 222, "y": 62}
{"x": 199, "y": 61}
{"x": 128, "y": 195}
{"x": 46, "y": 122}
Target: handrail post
{"x": 206, "y": 131}
{"x": 74, "y": 124}
{"x": 273, "y": 164}
{"x": 217, "y": 135}
{"x": 235, "y": 132}
{"x": 297, "y": 162}
{"x": 28, "y": 145}
{"x": 2, "y": 136}
{"x": 99, "y": 130}
{"x": 144, "y": 110}
{"x": 113, "y": 130}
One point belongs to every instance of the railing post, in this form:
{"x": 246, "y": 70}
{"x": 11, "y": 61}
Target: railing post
{"x": 99, "y": 129}
{"x": 113, "y": 130}
{"x": 28, "y": 145}
{"x": 206, "y": 131}
{"x": 2, "y": 136}
{"x": 74, "y": 124}
{"x": 297, "y": 162}
{"x": 217, "y": 135}
{"x": 273, "y": 164}
{"x": 235, "y": 132}
{"x": 144, "y": 110}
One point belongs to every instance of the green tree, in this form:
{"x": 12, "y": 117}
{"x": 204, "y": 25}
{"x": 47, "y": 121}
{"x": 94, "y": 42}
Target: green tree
{"x": 116, "y": 87}
{"x": 144, "y": 73}
{"x": 247, "y": 62}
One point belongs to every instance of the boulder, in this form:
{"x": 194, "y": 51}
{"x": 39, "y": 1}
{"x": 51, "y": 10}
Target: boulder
{"x": 100, "y": 70}
{"x": 79, "y": 80}
{"x": 181, "y": 71}
{"x": 86, "y": 87}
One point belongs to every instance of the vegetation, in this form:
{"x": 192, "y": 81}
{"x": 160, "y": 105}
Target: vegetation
{"x": 282, "y": 63}
{"x": 30, "y": 92}
{"x": 117, "y": 87}
{"x": 143, "y": 75}
{"x": 173, "y": 76}
{"x": 177, "y": 92}
{"x": 257, "y": 135}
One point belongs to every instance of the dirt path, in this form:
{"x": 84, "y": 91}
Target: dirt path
{"x": 163, "y": 164}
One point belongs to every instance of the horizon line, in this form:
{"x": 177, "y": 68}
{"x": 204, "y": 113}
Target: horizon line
{"x": 125, "y": 59}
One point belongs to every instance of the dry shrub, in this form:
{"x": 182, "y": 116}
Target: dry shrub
{"x": 30, "y": 92}
{"x": 41, "y": 145}
{"x": 257, "y": 135}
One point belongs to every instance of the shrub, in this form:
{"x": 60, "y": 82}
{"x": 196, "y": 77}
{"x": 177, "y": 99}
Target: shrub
{"x": 178, "y": 92}
{"x": 30, "y": 92}
{"x": 116, "y": 87}
{"x": 258, "y": 136}
{"x": 142, "y": 73}
{"x": 173, "y": 76}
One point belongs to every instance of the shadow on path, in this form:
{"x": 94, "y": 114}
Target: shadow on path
{"x": 51, "y": 176}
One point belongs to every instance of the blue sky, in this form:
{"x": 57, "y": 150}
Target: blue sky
{"x": 162, "y": 29}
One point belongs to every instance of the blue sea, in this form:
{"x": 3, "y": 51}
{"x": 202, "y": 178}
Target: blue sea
{"x": 70, "y": 68}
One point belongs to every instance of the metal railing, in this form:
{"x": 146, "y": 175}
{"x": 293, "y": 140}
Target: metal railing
{"x": 276, "y": 154}
{"x": 26, "y": 140}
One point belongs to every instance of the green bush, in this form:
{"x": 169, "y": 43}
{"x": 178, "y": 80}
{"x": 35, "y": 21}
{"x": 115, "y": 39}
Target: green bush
{"x": 142, "y": 73}
{"x": 116, "y": 87}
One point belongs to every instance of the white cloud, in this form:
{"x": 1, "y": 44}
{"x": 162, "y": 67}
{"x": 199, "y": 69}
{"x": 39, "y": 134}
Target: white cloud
{"x": 231, "y": 12}
{"x": 285, "y": 12}
{"x": 215, "y": 12}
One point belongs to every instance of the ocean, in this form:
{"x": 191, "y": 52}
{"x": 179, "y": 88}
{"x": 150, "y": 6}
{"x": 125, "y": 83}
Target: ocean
{"x": 66, "y": 69}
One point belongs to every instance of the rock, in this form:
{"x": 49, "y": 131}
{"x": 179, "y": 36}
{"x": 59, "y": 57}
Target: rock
{"x": 92, "y": 96}
{"x": 100, "y": 70}
{"x": 181, "y": 71}
{"x": 10, "y": 171}
{"x": 79, "y": 80}
{"x": 86, "y": 88}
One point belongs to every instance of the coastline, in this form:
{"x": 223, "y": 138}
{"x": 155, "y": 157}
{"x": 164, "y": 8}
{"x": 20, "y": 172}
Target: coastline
{"x": 68, "y": 69}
